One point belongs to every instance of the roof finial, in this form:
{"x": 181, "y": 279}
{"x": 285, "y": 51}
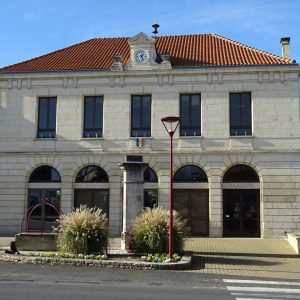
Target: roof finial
{"x": 155, "y": 26}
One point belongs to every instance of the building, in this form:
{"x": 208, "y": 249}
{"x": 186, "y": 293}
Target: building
{"x": 69, "y": 118}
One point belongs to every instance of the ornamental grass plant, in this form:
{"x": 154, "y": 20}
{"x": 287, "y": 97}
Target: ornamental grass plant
{"x": 83, "y": 231}
{"x": 150, "y": 232}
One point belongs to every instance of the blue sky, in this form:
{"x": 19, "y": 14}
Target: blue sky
{"x": 34, "y": 27}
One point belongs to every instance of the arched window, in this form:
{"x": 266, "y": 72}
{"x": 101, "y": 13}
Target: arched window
{"x": 92, "y": 174}
{"x": 92, "y": 188}
{"x": 44, "y": 174}
{"x": 190, "y": 173}
{"x": 43, "y": 201}
{"x": 150, "y": 175}
{"x": 150, "y": 188}
{"x": 240, "y": 173}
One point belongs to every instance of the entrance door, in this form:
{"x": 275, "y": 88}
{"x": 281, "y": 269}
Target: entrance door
{"x": 193, "y": 206}
{"x": 241, "y": 216}
{"x": 91, "y": 198}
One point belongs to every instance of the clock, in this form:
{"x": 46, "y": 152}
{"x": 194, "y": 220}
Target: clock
{"x": 141, "y": 56}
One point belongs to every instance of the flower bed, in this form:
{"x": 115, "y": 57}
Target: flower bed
{"x": 161, "y": 258}
{"x": 112, "y": 261}
{"x": 68, "y": 255}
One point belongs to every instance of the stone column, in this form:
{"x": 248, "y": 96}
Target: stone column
{"x": 133, "y": 196}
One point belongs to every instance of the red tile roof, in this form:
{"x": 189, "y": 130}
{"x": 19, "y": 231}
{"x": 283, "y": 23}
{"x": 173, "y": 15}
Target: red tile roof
{"x": 185, "y": 50}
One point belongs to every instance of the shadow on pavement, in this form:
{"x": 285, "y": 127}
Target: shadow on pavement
{"x": 275, "y": 255}
{"x": 200, "y": 262}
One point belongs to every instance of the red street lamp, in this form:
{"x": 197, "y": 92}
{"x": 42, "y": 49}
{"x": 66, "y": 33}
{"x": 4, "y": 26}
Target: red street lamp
{"x": 170, "y": 123}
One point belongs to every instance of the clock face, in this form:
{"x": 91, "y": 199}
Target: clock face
{"x": 141, "y": 56}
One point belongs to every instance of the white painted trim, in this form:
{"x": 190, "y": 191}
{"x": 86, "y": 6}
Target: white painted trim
{"x": 91, "y": 185}
{"x": 240, "y": 185}
{"x": 263, "y": 289}
{"x": 44, "y": 185}
{"x": 150, "y": 185}
{"x": 261, "y": 282}
{"x": 191, "y": 185}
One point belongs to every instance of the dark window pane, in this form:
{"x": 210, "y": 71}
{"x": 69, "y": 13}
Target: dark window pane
{"x": 47, "y": 118}
{"x": 150, "y": 176}
{"x": 45, "y": 205}
{"x": 92, "y": 174}
{"x": 141, "y": 116}
{"x": 150, "y": 198}
{"x": 240, "y": 114}
{"x": 89, "y": 113}
{"x": 43, "y": 104}
{"x": 190, "y": 115}
{"x": 136, "y": 112}
{"x": 246, "y": 110}
{"x": 240, "y": 173}
{"x": 146, "y": 112}
{"x": 190, "y": 173}
{"x": 92, "y": 198}
{"x": 235, "y": 109}
{"x": 93, "y": 116}
{"x": 44, "y": 174}
{"x": 184, "y": 111}
{"x": 98, "y": 112}
{"x": 52, "y": 114}
{"x": 195, "y": 107}
{"x": 101, "y": 200}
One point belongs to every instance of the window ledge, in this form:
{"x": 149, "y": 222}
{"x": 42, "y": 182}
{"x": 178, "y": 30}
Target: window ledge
{"x": 141, "y": 137}
{"x": 241, "y": 136}
{"x": 45, "y": 139}
{"x": 92, "y": 138}
{"x": 190, "y": 137}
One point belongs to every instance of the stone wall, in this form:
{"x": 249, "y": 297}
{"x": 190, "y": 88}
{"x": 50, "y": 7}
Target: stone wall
{"x": 273, "y": 150}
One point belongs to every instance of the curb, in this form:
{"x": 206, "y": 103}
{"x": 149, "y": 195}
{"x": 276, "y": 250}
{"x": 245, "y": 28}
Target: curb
{"x": 185, "y": 263}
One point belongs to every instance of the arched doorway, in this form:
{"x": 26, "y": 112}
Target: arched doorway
{"x": 241, "y": 202}
{"x": 43, "y": 198}
{"x": 92, "y": 188}
{"x": 150, "y": 188}
{"x": 191, "y": 199}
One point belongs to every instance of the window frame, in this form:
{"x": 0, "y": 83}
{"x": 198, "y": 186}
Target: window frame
{"x": 105, "y": 178}
{"x": 51, "y": 169}
{"x": 93, "y": 129}
{"x": 190, "y": 127}
{"x": 47, "y": 129}
{"x": 140, "y": 128}
{"x": 240, "y": 126}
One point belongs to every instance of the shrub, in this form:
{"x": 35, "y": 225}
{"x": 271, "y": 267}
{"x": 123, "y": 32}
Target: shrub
{"x": 84, "y": 231}
{"x": 150, "y": 232}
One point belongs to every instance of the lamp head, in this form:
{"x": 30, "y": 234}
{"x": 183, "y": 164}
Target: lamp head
{"x": 169, "y": 123}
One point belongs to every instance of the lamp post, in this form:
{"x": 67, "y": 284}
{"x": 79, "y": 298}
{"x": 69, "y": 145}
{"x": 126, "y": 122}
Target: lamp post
{"x": 170, "y": 123}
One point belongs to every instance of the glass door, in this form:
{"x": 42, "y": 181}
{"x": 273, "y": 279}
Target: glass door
{"x": 193, "y": 207}
{"x": 241, "y": 216}
{"x": 92, "y": 197}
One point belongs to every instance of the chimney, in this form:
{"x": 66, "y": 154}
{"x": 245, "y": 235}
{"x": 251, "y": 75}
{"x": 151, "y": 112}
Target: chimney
{"x": 285, "y": 47}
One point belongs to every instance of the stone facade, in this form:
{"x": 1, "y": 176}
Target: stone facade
{"x": 272, "y": 151}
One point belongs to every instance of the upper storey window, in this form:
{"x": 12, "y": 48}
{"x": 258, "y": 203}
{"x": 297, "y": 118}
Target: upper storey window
{"x": 141, "y": 116}
{"x": 93, "y": 116}
{"x": 190, "y": 115}
{"x": 47, "y": 117}
{"x": 240, "y": 114}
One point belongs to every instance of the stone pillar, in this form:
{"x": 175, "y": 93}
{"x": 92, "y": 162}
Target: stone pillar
{"x": 133, "y": 195}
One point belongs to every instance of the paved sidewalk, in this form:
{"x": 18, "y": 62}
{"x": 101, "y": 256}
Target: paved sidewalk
{"x": 233, "y": 256}
{"x": 244, "y": 257}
